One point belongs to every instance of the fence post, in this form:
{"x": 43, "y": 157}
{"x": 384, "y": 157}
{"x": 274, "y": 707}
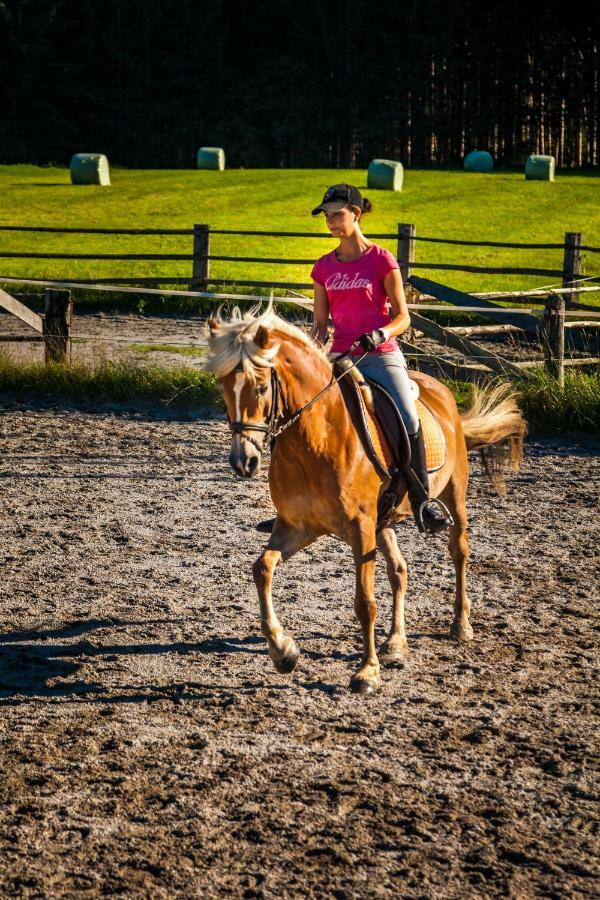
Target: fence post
{"x": 58, "y": 314}
{"x": 201, "y": 262}
{"x": 554, "y": 316}
{"x": 572, "y": 263}
{"x": 406, "y": 249}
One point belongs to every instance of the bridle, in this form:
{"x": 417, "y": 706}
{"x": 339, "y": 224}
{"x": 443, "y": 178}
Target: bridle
{"x": 268, "y": 427}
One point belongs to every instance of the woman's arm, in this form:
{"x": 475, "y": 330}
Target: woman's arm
{"x": 400, "y": 315}
{"x": 320, "y": 314}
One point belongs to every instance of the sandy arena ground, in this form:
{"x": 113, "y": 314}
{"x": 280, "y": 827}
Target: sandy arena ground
{"x": 149, "y": 749}
{"x": 153, "y": 338}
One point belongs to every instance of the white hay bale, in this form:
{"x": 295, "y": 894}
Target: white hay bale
{"x": 385, "y": 175}
{"x": 90, "y": 168}
{"x": 210, "y": 158}
{"x": 540, "y": 168}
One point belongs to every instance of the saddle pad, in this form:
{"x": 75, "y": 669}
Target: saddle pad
{"x": 435, "y": 443}
{"x": 360, "y": 401}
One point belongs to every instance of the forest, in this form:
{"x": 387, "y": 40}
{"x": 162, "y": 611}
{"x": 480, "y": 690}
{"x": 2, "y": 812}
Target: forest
{"x": 287, "y": 84}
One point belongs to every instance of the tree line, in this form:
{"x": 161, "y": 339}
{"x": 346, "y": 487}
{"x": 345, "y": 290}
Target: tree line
{"x": 298, "y": 84}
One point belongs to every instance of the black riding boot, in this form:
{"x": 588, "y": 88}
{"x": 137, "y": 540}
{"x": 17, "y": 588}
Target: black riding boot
{"x": 430, "y": 515}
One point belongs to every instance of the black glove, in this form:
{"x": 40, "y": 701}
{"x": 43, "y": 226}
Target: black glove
{"x": 372, "y": 339}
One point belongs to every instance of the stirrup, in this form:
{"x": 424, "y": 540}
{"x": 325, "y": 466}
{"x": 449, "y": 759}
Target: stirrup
{"x": 442, "y": 508}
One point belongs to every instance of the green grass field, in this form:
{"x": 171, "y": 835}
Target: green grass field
{"x": 442, "y": 203}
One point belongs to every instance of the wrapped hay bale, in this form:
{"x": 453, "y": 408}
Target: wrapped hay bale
{"x": 385, "y": 175}
{"x": 479, "y": 161}
{"x": 210, "y": 158}
{"x": 540, "y": 168}
{"x": 90, "y": 168}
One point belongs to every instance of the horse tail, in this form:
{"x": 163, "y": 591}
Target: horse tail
{"x": 495, "y": 426}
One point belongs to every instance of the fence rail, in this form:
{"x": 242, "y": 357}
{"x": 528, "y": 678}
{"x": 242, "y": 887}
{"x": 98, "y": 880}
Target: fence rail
{"x": 406, "y": 237}
{"x": 460, "y": 357}
{"x": 304, "y": 234}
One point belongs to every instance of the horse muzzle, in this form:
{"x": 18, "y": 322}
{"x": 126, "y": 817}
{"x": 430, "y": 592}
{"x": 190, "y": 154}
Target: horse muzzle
{"x": 245, "y": 459}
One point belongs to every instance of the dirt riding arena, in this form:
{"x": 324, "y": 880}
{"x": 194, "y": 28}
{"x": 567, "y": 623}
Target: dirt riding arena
{"x": 148, "y": 747}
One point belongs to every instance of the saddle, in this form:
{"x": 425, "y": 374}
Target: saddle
{"x": 383, "y": 433}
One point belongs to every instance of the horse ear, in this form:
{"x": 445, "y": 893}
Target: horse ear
{"x": 213, "y": 324}
{"x": 263, "y": 338}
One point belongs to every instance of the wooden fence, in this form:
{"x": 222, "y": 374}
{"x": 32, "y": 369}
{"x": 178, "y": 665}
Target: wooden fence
{"x": 54, "y": 328}
{"x": 405, "y": 236}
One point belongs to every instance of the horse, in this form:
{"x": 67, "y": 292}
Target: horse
{"x": 322, "y": 481}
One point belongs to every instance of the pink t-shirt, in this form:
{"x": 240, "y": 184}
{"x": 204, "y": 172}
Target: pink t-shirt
{"x": 356, "y": 295}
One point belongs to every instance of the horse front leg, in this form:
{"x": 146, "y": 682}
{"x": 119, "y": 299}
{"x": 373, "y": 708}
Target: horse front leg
{"x": 366, "y": 679}
{"x": 461, "y": 629}
{"x": 284, "y": 542}
{"x": 395, "y": 648}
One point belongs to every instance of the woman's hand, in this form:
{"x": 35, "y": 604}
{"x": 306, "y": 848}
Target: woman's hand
{"x": 372, "y": 339}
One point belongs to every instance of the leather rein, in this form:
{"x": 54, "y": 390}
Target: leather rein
{"x": 268, "y": 427}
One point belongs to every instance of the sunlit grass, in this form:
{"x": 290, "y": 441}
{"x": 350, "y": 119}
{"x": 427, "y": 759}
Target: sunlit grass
{"x": 546, "y": 405}
{"x": 144, "y": 349}
{"x": 107, "y": 381}
{"x": 441, "y": 203}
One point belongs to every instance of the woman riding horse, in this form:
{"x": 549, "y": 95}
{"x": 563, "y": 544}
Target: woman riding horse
{"x": 356, "y": 283}
{"x": 276, "y": 382}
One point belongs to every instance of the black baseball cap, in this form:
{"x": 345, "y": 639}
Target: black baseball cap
{"x": 337, "y": 197}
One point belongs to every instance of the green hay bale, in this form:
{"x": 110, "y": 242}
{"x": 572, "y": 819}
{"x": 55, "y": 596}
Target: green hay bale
{"x": 90, "y": 168}
{"x": 385, "y": 175}
{"x": 479, "y": 161}
{"x": 210, "y": 158}
{"x": 540, "y": 168}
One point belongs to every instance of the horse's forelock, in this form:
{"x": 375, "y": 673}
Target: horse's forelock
{"x": 232, "y": 344}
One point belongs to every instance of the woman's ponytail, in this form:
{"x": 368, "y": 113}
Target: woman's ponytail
{"x": 367, "y": 205}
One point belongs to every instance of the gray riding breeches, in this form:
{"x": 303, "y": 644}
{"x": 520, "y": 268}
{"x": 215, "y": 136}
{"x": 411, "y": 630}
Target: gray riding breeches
{"x": 390, "y": 371}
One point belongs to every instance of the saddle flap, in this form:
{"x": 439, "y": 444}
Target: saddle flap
{"x": 381, "y": 428}
{"x": 365, "y": 425}
{"x": 393, "y": 430}
{"x": 390, "y": 422}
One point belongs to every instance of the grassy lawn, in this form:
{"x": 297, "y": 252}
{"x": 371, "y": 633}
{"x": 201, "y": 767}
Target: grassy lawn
{"x": 448, "y": 203}
{"x": 108, "y": 381}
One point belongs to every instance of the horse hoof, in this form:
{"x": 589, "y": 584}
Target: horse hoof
{"x": 286, "y": 662}
{"x": 365, "y": 686}
{"x": 461, "y": 632}
{"x": 393, "y": 657}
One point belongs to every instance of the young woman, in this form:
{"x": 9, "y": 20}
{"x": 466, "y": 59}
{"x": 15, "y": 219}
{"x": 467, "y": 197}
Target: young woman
{"x": 356, "y": 284}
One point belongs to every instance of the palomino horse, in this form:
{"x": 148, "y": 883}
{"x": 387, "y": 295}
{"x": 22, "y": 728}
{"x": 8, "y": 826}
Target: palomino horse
{"x": 322, "y": 481}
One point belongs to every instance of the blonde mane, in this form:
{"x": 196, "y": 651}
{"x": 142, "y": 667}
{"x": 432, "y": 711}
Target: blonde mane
{"x": 231, "y": 343}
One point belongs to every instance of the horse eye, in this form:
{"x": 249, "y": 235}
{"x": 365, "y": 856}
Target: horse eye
{"x": 261, "y": 389}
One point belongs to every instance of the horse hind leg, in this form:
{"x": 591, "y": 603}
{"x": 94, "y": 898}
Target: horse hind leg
{"x": 453, "y": 496}
{"x": 366, "y": 679}
{"x": 284, "y": 542}
{"x": 394, "y": 650}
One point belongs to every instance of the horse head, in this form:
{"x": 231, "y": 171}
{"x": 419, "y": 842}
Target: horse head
{"x": 243, "y": 360}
